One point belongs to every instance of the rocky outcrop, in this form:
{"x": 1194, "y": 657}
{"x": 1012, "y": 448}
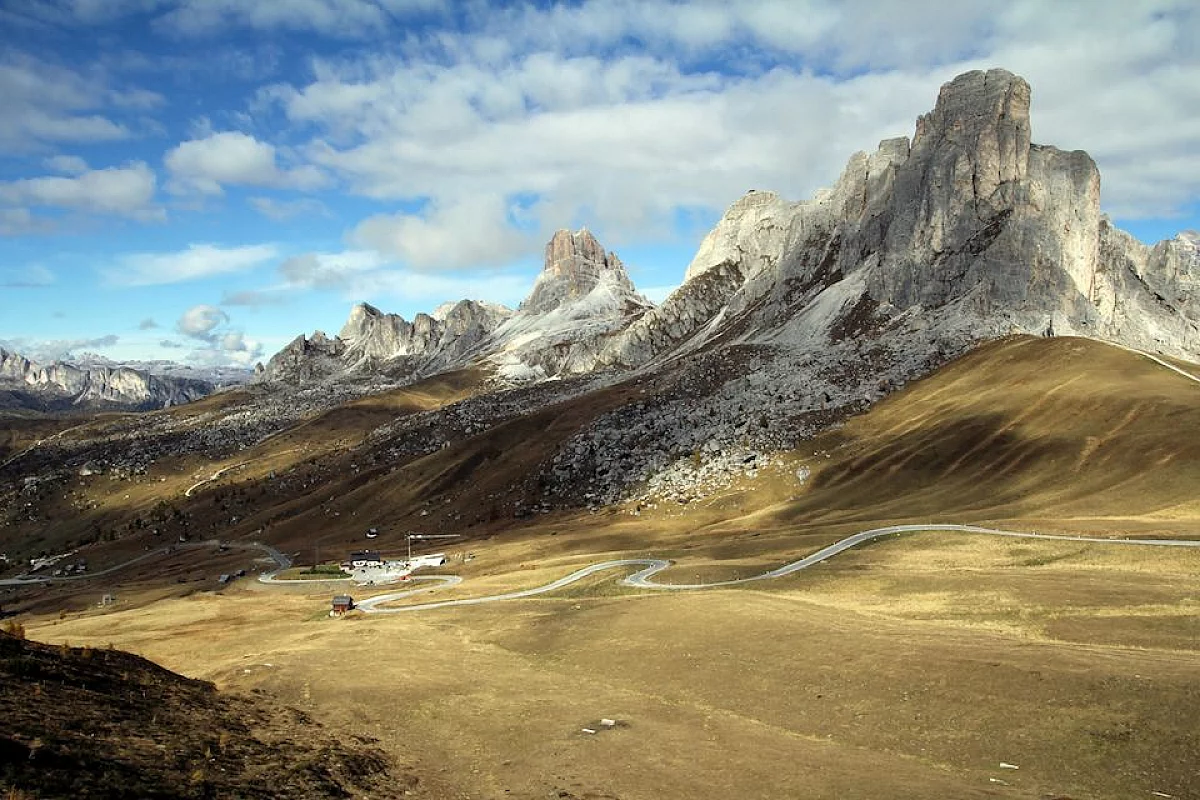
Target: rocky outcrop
{"x": 971, "y": 229}
{"x": 304, "y": 360}
{"x": 582, "y": 296}
{"x": 576, "y": 264}
{"x": 966, "y": 232}
{"x": 60, "y": 386}
{"x": 372, "y": 342}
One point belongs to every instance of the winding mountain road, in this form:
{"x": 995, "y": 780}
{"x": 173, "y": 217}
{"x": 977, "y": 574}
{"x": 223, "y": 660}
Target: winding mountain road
{"x": 642, "y": 579}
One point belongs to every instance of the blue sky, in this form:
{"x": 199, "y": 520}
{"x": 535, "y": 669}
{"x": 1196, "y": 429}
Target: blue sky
{"x": 203, "y": 180}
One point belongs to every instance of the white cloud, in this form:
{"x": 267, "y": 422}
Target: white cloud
{"x": 570, "y": 120}
{"x": 199, "y": 321}
{"x": 125, "y": 191}
{"x": 363, "y": 274}
{"x": 208, "y": 327}
{"x": 196, "y": 262}
{"x": 618, "y": 145}
{"x": 233, "y": 158}
{"x": 20, "y": 222}
{"x": 424, "y": 289}
{"x": 254, "y": 297}
{"x": 329, "y": 270}
{"x": 67, "y": 165}
{"x": 471, "y": 232}
{"x": 350, "y": 18}
{"x": 45, "y": 104}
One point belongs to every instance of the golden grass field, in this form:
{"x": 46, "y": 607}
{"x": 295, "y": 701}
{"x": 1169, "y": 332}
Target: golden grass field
{"x": 911, "y": 668}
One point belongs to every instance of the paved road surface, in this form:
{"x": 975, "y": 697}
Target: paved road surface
{"x": 643, "y": 578}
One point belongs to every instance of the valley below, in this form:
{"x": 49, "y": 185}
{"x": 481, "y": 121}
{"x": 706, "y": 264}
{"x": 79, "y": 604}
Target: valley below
{"x": 927, "y": 664}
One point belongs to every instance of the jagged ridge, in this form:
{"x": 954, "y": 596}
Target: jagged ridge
{"x": 60, "y": 386}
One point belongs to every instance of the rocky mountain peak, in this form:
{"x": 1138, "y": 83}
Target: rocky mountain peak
{"x": 966, "y": 231}
{"x": 575, "y": 263}
{"x": 985, "y": 112}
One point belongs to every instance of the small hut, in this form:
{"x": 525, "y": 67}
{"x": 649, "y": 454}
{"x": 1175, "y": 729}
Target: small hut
{"x": 341, "y": 604}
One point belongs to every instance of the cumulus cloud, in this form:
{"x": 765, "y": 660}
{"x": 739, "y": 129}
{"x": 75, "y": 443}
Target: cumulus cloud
{"x": 504, "y": 157}
{"x": 550, "y": 109}
{"x": 199, "y": 321}
{"x": 67, "y": 165}
{"x": 215, "y": 342}
{"x": 196, "y": 262}
{"x": 233, "y": 158}
{"x": 46, "y": 104}
{"x": 502, "y": 122}
{"x": 147, "y": 324}
{"x": 124, "y": 191}
{"x": 472, "y": 231}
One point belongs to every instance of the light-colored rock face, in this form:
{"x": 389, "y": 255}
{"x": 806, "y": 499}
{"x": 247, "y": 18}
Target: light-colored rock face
{"x": 751, "y": 234}
{"x": 60, "y": 385}
{"x": 575, "y": 264}
{"x": 966, "y": 232}
{"x": 972, "y": 228}
{"x": 582, "y": 296}
{"x": 371, "y": 339}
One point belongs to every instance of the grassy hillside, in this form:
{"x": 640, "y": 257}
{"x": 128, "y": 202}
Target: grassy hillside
{"x": 1023, "y": 428}
{"x": 101, "y": 723}
{"x": 925, "y": 665}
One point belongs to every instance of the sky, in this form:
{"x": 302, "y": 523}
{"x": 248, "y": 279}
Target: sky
{"x": 204, "y": 180}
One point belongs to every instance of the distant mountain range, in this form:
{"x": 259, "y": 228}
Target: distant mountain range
{"x": 93, "y": 382}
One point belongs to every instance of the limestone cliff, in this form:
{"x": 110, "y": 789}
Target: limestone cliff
{"x": 966, "y": 232}
{"x": 372, "y": 341}
{"x": 61, "y": 386}
{"x": 971, "y": 228}
{"x": 582, "y": 295}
